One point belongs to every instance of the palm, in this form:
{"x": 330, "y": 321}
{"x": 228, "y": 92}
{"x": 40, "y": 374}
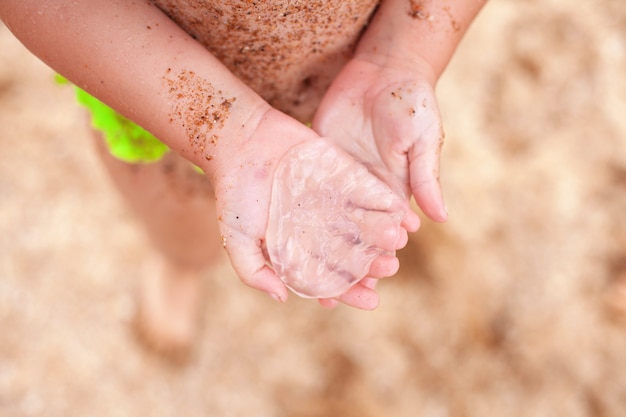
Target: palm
{"x": 330, "y": 218}
{"x": 246, "y": 188}
{"x": 389, "y": 120}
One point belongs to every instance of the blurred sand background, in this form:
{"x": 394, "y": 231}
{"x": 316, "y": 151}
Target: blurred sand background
{"x": 515, "y": 307}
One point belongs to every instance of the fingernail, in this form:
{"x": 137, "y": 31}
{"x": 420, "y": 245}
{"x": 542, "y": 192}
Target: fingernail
{"x": 328, "y": 303}
{"x": 445, "y": 212}
{"x": 403, "y": 239}
{"x": 276, "y": 297}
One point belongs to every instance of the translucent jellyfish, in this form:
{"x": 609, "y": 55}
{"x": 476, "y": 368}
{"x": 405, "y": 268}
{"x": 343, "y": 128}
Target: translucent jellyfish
{"x": 326, "y": 217}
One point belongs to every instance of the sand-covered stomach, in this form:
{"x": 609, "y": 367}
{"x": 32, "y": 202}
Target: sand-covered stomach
{"x": 287, "y": 51}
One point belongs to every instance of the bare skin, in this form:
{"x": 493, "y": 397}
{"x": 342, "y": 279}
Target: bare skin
{"x": 288, "y": 52}
{"x": 142, "y": 63}
{"x": 315, "y": 237}
{"x": 175, "y": 203}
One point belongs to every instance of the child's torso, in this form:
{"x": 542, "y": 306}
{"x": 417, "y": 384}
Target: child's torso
{"x": 288, "y": 51}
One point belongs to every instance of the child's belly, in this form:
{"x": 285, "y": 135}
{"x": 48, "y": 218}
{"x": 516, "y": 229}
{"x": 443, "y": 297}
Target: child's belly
{"x": 287, "y": 51}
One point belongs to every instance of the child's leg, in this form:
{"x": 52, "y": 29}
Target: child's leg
{"x": 177, "y": 206}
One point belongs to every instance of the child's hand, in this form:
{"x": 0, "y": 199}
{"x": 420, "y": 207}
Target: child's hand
{"x": 329, "y": 219}
{"x": 387, "y": 118}
{"x": 244, "y": 185}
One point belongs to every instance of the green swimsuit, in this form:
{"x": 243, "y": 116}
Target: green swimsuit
{"x": 125, "y": 139}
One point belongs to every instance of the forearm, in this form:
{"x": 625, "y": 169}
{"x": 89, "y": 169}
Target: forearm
{"x": 134, "y": 58}
{"x": 413, "y": 31}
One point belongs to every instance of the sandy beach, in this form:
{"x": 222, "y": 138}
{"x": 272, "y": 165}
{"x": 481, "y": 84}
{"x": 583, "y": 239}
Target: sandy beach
{"x": 515, "y": 307}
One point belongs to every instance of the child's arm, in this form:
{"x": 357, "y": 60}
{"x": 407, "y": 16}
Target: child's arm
{"x": 412, "y": 31}
{"x": 134, "y": 58}
{"x": 382, "y": 107}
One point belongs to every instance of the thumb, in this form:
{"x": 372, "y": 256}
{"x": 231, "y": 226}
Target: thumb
{"x": 409, "y": 134}
{"x": 424, "y": 162}
{"x": 425, "y": 184}
{"x": 248, "y": 261}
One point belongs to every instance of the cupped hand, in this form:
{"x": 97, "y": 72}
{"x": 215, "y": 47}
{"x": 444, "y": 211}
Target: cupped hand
{"x": 246, "y": 186}
{"x": 386, "y": 116}
{"x": 330, "y": 218}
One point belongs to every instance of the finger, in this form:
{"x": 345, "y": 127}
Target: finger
{"x": 368, "y": 283}
{"x": 424, "y": 159}
{"x": 328, "y": 303}
{"x": 411, "y": 136}
{"x": 384, "y": 266}
{"x": 371, "y": 192}
{"x": 382, "y": 230}
{"x": 411, "y": 221}
{"x": 424, "y": 176}
{"x": 247, "y": 259}
{"x": 360, "y": 296}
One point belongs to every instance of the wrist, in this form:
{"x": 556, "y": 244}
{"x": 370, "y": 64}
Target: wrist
{"x": 223, "y": 146}
{"x": 415, "y": 66}
{"x": 206, "y": 120}
{"x": 259, "y": 140}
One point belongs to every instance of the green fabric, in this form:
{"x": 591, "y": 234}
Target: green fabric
{"x": 126, "y": 140}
